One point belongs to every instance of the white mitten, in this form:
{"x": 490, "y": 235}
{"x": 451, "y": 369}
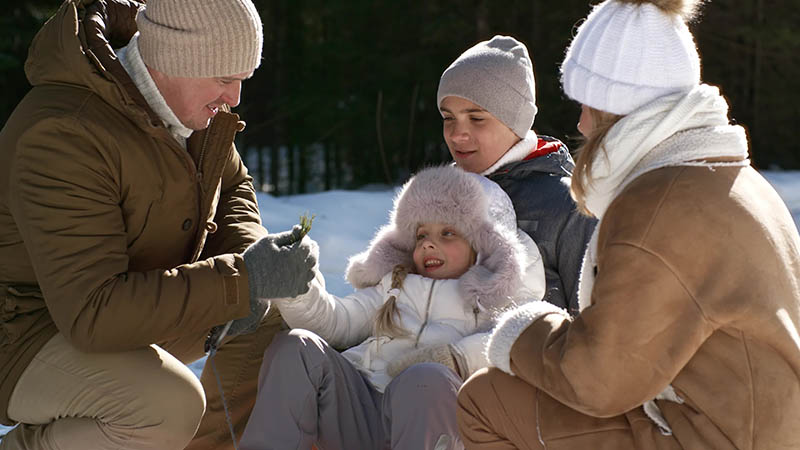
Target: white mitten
{"x": 439, "y": 353}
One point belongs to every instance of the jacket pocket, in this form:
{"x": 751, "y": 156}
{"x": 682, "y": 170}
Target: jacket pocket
{"x": 135, "y": 225}
{"x": 22, "y": 308}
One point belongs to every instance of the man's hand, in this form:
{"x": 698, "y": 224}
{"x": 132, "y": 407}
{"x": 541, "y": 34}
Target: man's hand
{"x": 278, "y": 265}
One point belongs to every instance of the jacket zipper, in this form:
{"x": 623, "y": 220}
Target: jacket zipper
{"x": 427, "y": 314}
{"x": 200, "y": 158}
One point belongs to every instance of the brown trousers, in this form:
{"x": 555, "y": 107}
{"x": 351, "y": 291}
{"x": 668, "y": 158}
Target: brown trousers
{"x": 141, "y": 399}
{"x": 497, "y": 411}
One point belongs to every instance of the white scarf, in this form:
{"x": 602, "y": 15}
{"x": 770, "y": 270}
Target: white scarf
{"x": 682, "y": 129}
{"x": 131, "y": 60}
{"x": 517, "y": 152}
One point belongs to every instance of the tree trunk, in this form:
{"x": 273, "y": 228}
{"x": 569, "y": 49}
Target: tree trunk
{"x": 302, "y": 171}
{"x": 384, "y": 161}
{"x": 411, "y": 117}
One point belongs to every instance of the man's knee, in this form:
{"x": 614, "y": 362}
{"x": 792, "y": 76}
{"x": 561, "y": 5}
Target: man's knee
{"x": 174, "y": 402}
{"x": 143, "y": 399}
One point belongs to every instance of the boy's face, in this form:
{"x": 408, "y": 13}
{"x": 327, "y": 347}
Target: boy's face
{"x": 476, "y": 139}
{"x": 441, "y": 252}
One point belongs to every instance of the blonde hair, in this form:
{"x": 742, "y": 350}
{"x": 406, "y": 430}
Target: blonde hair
{"x": 384, "y": 319}
{"x": 587, "y": 153}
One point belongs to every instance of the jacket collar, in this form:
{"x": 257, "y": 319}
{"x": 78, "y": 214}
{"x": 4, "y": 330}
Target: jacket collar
{"x": 556, "y": 162}
{"x": 517, "y": 152}
{"x": 75, "y": 47}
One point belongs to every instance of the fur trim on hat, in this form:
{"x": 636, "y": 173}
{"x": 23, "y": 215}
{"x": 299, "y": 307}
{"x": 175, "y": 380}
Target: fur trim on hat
{"x": 474, "y": 205}
{"x": 684, "y": 8}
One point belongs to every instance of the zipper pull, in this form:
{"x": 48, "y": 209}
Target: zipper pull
{"x": 199, "y": 177}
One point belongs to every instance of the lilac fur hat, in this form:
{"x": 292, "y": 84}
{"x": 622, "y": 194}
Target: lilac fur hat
{"x": 477, "y": 207}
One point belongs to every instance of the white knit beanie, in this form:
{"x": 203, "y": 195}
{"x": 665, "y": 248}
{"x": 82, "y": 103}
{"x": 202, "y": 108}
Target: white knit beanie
{"x": 200, "y": 38}
{"x": 496, "y": 75}
{"x": 629, "y": 52}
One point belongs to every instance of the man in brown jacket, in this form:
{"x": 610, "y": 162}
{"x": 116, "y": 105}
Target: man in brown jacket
{"x": 129, "y": 228}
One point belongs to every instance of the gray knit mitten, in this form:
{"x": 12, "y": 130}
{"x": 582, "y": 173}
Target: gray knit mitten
{"x": 278, "y": 265}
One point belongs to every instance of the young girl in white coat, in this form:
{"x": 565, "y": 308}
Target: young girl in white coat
{"x": 428, "y": 290}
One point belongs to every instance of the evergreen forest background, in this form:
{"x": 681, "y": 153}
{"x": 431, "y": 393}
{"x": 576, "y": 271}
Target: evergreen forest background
{"x": 345, "y": 96}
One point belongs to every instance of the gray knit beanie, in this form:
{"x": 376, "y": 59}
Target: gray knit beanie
{"x": 200, "y": 38}
{"x": 496, "y": 75}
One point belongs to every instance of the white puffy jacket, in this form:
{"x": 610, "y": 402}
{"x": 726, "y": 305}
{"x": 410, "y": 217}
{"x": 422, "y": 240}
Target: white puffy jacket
{"x": 431, "y": 311}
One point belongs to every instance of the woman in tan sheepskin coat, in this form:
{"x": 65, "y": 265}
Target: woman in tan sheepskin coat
{"x": 690, "y": 289}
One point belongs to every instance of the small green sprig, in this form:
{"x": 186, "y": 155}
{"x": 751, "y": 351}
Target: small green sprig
{"x": 305, "y": 225}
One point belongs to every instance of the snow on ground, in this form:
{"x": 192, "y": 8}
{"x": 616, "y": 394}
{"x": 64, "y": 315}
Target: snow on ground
{"x": 345, "y": 222}
{"x": 788, "y": 186}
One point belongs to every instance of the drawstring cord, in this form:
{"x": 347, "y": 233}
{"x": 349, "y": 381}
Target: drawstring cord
{"x": 210, "y": 360}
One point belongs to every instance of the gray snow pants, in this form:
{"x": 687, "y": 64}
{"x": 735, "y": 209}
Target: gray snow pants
{"x": 308, "y": 393}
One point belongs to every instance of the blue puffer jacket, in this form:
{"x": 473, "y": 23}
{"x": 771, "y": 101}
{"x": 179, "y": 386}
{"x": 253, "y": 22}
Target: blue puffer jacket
{"x": 539, "y": 189}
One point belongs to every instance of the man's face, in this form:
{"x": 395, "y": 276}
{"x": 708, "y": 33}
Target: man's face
{"x": 476, "y": 138}
{"x": 196, "y": 100}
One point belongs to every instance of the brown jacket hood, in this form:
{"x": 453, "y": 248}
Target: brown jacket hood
{"x": 76, "y": 45}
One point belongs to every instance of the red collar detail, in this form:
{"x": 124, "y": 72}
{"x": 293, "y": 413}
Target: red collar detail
{"x": 543, "y": 148}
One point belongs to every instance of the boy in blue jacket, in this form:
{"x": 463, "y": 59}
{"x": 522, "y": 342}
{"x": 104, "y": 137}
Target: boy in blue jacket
{"x": 487, "y": 98}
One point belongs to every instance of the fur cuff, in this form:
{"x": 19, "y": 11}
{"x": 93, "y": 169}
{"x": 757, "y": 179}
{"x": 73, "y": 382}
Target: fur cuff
{"x": 654, "y": 412}
{"x": 510, "y": 326}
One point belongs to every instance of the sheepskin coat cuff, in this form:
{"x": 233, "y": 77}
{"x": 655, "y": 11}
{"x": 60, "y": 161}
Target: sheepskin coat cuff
{"x": 510, "y": 326}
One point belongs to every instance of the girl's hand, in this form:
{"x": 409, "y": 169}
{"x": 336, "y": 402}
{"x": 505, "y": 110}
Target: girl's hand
{"x": 439, "y": 353}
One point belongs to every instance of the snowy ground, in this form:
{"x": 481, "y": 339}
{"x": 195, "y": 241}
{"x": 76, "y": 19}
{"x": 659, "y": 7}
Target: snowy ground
{"x": 346, "y": 221}
{"x": 787, "y": 184}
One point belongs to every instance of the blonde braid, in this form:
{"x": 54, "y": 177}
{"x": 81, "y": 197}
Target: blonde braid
{"x": 587, "y": 153}
{"x": 384, "y": 320}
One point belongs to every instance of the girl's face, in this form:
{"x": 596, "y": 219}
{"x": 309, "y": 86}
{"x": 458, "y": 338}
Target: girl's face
{"x": 585, "y": 122}
{"x": 476, "y": 139}
{"x": 441, "y": 252}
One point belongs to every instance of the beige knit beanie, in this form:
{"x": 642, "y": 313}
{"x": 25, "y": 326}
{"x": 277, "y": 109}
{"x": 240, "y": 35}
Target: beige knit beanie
{"x": 496, "y": 75}
{"x": 200, "y": 38}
